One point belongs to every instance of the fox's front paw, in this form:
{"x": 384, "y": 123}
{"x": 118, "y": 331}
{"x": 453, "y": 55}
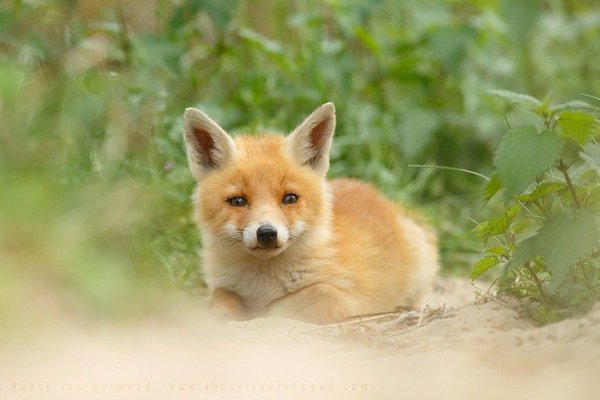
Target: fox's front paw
{"x": 227, "y": 305}
{"x": 319, "y": 303}
{"x": 303, "y": 309}
{"x": 286, "y": 307}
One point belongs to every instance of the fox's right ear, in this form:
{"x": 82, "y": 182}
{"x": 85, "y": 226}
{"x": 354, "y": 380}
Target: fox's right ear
{"x": 208, "y": 146}
{"x": 310, "y": 142}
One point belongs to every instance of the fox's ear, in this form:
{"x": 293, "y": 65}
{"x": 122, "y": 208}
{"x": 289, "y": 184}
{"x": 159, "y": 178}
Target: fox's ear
{"x": 310, "y": 142}
{"x": 208, "y": 146}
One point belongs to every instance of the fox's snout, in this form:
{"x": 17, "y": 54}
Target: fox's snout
{"x": 266, "y": 235}
{"x": 265, "y": 239}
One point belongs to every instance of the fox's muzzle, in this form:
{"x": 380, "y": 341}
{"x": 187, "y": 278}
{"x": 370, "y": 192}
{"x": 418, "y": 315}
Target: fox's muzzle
{"x": 266, "y": 235}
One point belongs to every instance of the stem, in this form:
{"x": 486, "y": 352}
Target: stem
{"x": 124, "y": 35}
{"x": 537, "y": 281}
{"x": 543, "y": 295}
{"x": 586, "y": 277}
{"x": 541, "y": 208}
{"x": 467, "y": 171}
{"x": 506, "y": 119}
{"x": 536, "y": 218}
{"x": 564, "y": 169}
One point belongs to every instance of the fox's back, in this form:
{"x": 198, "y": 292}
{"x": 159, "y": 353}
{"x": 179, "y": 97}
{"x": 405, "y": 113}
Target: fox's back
{"x": 380, "y": 244}
{"x": 359, "y": 209}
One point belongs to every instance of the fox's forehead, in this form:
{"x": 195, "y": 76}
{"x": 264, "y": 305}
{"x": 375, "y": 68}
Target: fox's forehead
{"x": 268, "y": 175}
{"x": 259, "y": 169}
{"x": 265, "y": 146}
{"x": 261, "y": 160}
{"x": 260, "y": 165}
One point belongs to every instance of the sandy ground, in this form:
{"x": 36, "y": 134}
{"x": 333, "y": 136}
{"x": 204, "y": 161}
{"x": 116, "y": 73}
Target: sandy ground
{"x": 456, "y": 348}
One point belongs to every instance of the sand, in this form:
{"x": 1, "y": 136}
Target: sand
{"x": 458, "y": 347}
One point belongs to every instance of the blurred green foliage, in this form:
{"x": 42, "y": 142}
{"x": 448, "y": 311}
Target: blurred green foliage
{"x": 94, "y": 183}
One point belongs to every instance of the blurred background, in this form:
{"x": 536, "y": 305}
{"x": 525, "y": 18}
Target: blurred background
{"x": 95, "y": 217}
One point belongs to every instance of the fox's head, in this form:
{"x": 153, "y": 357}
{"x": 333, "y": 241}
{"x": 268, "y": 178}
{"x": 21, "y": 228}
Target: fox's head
{"x": 264, "y": 193}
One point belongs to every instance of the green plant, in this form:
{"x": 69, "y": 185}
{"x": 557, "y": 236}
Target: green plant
{"x": 546, "y": 235}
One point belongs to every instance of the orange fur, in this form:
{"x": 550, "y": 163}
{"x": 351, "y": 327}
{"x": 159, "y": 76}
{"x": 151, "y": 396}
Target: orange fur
{"x": 342, "y": 249}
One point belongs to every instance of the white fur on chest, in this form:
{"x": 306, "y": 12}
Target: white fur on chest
{"x": 258, "y": 282}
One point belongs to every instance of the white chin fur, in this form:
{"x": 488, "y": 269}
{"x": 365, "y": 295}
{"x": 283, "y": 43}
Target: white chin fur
{"x": 266, "y": 253}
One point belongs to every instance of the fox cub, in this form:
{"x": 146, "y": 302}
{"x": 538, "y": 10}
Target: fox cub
{"x": 280, "y": 239}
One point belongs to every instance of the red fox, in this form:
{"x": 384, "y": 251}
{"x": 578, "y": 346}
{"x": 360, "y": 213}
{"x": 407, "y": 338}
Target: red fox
{"x": 279, "y": 239}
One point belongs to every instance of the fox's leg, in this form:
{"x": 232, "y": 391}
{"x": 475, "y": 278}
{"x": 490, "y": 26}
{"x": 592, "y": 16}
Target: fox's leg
{"x": 320, "y": 303}
{"x": 227, "y": 304}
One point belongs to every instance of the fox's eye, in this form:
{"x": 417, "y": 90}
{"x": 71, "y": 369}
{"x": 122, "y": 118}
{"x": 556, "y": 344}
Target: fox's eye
{"x": 290, "y": 198}
{"x": 237, "y": 201}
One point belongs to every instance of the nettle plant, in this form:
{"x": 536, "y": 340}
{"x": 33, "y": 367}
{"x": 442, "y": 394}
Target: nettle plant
{"x": 546, "y": 238}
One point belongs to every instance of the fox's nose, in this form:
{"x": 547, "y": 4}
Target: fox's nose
{"x": 266, "y": 234}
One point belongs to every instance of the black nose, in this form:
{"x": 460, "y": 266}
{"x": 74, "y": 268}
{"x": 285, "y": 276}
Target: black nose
{"x": 266, "y": 234}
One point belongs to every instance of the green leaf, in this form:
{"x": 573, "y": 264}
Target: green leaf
{"x": 564, "y": 238}
{"x": 261, "y": 42}
{"x": 526, "y": 251}
{"x": 517, "y": 98}
{"x": 497, "y": 251}
{"x": 523, "y": 154}
{"x": 542, "y": 190}
{"x": 591, "y": 156}
{"x": 574, "y": 105}
{"x": 497, "y": 225}
{"x": 561, "y": 241}
{"x": 576, "y": 125}
{"x": 482, "y": 265}
{"x": 156, "y": 51}
{"x": 219, "y": 11}
{"x": 522, "y": 226}
{"x": 491, "y": 188}
{"x": 449, "y": 44}
{"x": 11, "y": 79}
{"x": 520, "y": 16}
{"x": 594, "y": 196}
{"x": 367, "y": 39}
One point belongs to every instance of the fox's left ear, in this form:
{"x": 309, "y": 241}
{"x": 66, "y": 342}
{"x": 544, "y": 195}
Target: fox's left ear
{"x": 310, "y": 142}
